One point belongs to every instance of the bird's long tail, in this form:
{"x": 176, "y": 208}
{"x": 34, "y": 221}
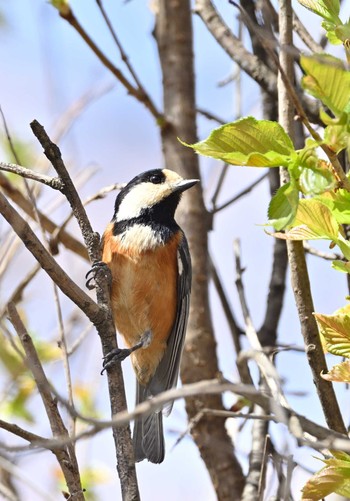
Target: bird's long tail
{"x": 148, "y": 432}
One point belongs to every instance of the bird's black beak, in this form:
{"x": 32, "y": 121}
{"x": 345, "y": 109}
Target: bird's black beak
{"x": 184, "y": 185}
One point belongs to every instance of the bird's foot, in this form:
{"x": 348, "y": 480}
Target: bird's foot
{"x": 97, "y": 267}
{"x": 116, "y": 355}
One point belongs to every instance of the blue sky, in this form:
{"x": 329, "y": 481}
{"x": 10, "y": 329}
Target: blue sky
{"x": 45, "y": 68}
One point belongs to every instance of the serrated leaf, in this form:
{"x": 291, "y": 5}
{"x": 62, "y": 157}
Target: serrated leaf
{"x": 340, "y": 373}
{"x": 328, "y": 9}
{"x": 249, "y": 142}
{"x": 328, "y": 80}
{"x": 335, "y": 330}
{"x": 283, "y": 206}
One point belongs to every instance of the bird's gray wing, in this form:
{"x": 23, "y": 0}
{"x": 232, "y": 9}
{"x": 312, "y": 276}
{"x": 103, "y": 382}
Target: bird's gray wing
{"x": 167, "y": 372}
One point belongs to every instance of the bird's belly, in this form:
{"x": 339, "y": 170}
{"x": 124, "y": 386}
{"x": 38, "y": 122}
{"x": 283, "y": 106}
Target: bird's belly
{"x": 143, "y": 297}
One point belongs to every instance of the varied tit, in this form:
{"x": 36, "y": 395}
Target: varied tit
{"x": 147, "y": 254}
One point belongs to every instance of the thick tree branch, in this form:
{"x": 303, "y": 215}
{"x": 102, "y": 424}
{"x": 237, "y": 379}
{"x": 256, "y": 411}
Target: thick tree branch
{"x": 174, "y": 38}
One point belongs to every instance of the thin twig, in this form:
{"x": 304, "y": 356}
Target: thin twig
{"x": 64, "y": 237}
{"x": 19, "y": 474}
{"x": 314, "y": 435}
{"x": 219, "y": 185}
{"x": 235, "y": 330}
{"x": 62, "y": 342}
{"x": 53, "y": 182}
{"x": 305, "y": 36}
{"x": 122, "y": 52}
{"x": 136, "y": 92}
{"x": 16, "y": 295}
{"x": 249, "y": 63}
{"x": 328, "y": 256}
{"x": 211, "y": 116}
{"x": 241, "y": 194}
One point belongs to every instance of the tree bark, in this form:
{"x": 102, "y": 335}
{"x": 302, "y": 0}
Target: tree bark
{"x": 174, "y": 37}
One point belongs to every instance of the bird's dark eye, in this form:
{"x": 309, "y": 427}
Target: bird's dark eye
{"x": 156, "y": 178}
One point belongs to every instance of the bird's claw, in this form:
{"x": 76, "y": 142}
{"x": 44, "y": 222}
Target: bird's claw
{"x": 116, "y": 355}
{"x": 97, "y": 267}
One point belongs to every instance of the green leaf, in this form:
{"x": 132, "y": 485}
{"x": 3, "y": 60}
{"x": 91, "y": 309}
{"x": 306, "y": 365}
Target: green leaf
{"x": 340, "y": 373}
{"x": 249, "y": 142}
{"x": 318, "y": 218}
{"x": 283, "y": 206}
{"x": 338, "y": 137}
{"x": 343, "y": 31}
{"x": 339, "y": 204}
{"x": 340, "y": 265}
{"x": 333, "y": 478}
{"x": 328, "y": 9}
{"x": 328, "y": 80}
{"x": 335, "y": 330}
{"x": 314, "y": 181}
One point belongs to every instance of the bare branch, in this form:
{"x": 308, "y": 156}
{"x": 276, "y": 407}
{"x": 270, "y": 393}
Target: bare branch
{"x": 313, "y": 434}
{"x": 136, "y": 92}
{"x": 53, "y": 182}
{"x": 249, "y": 63}
{"x": 47, "y": 262}
{"x": 16, "y": 295}
{"x": 18, "y": 473}
{"x": 235, "y": 330}
{"x": 66, "y": 457}
{"x": 240, "y": 194}
{"x": 103, "y": 322}
{"x": 305, "y": 36}
{"x": 328, "y": 256}
{"x": 60, "y": 234}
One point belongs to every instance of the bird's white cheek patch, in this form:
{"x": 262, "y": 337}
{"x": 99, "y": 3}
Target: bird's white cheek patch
{"x": 140, "y": 237}
{"x": 142, "y": 196}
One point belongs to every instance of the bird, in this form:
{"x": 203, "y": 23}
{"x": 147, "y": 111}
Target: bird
{"x": 150, "y": 265}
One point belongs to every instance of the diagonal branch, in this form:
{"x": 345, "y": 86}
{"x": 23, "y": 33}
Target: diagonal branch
{"x": 48, "y": 263}
{"x": 65, "y": 456}
{"x": 249, "y": 63}
{"x": 104, "y": 322}
{"x": 60, "y": 234}
{"x": 135, "y": 91}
